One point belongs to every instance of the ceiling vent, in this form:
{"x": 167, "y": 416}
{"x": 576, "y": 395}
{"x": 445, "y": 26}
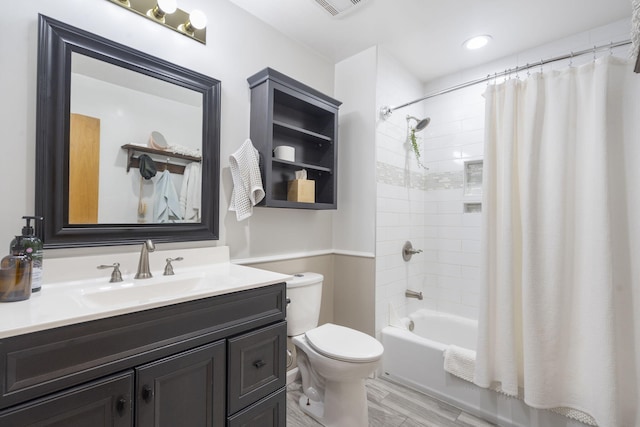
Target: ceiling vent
{"x": 339, "y": 7}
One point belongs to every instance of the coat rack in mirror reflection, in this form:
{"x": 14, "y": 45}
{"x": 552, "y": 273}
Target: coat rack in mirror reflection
{"x": 134, "y": 162}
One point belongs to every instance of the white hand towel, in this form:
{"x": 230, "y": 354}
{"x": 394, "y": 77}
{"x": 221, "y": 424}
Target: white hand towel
{"x": 635, "y": 29}
{"x": 247, "y": 181}
{"x": 167, "y": 204}
{"x": 191, "y": 193}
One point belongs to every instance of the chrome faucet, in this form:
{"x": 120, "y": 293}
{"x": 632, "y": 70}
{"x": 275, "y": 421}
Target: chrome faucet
{"x": 143, "y": 264}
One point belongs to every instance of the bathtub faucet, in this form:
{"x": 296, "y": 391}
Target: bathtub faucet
{"x": 408, "y": 251}
{"x": 413, "y": 294}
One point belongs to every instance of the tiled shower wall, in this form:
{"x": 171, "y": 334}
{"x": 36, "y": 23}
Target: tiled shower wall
{"x": 427, "y": 206}
{"x": 400, "y": 191}
{"x": 452, "y": 240}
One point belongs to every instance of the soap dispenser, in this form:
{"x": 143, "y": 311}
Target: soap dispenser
{"x": 29, "y": 244}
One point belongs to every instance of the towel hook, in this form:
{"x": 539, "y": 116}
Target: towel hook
{"x": 594, "y": 53}
{"x": 571, "y": 59}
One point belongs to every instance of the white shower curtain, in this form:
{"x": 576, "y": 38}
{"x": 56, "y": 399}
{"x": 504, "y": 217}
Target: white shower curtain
{"x": 556, "y": 322}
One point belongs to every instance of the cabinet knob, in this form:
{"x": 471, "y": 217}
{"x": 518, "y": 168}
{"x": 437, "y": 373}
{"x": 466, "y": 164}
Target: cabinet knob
{"x": 147, "y": 393}
{"x": 259, "y": 364}
{"x": 121, "y": 405}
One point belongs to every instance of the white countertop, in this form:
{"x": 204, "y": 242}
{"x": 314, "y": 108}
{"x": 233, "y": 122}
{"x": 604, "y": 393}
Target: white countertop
{"x": 66, "y": 299}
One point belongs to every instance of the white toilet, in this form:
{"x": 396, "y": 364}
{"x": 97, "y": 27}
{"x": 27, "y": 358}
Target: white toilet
{"x": 333, "y": 360}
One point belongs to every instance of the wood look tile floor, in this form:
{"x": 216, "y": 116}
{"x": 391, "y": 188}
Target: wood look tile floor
{"x": 392, "y": 405}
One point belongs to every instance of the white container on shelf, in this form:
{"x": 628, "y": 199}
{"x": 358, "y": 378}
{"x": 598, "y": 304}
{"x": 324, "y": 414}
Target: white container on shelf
{"x": 285, "y": 152}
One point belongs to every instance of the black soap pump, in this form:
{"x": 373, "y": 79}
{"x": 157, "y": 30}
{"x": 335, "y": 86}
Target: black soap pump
{"x": 30, "y": 244}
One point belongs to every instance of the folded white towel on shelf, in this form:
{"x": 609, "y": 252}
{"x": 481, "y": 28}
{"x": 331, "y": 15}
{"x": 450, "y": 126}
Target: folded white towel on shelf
{"x": 247, "y": 181}
{"x": 187, "y": 151}
{"x": 460, "y": 362}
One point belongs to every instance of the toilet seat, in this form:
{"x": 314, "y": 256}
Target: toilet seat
{"x": 345, "y": 344}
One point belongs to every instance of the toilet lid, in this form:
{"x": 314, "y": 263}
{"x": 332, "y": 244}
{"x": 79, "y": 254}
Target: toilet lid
{"x": 349, "y": 345}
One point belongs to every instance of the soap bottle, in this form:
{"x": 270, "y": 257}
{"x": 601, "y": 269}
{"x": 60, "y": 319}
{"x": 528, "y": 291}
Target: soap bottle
{"x": 29, "y": 244}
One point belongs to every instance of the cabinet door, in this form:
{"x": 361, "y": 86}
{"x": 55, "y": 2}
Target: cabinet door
{"x": 269, "y": 412}
{"x": 187, "y": 389}
{"x": 257, "y": 365}
{"x": 103, "y": 403}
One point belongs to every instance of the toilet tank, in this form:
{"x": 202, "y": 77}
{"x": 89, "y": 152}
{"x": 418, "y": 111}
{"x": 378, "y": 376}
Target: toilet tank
{"x": 305, "y": 294}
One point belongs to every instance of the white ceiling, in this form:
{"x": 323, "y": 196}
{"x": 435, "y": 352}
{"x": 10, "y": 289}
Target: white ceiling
{"x": 427, "y": 35}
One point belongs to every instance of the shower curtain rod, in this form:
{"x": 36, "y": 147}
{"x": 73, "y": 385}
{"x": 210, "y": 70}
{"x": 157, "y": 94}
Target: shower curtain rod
{"x": 386, "y": 111}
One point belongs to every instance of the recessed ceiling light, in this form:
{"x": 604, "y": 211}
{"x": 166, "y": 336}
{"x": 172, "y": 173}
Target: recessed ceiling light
{"x": 477, "y": 42}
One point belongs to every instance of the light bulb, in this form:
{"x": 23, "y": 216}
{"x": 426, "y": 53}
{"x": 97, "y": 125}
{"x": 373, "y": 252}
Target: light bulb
{"x": 198, "y": 19}
{"x": 168, "y": 6}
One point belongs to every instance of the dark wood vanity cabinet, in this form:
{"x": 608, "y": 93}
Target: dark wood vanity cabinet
{"x": 210, "y": 362}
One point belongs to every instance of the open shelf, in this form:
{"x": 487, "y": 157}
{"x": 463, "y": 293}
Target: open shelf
{"x": 298, "y": 166}
{"x": 303, "y": 133}
{"x": 285, "y": 112}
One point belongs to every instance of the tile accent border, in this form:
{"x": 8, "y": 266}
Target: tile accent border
{"x": 425, "y": 181}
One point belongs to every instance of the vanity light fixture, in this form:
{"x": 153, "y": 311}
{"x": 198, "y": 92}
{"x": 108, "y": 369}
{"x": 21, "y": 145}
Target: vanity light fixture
{"x": 161, "y": 9}
{"x": 168, "y": 14}
{"x": 477, "y": 42}
{"x": 197, "y": 21}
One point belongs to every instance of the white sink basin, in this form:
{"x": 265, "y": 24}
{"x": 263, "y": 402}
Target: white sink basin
{"x": 142, "y": 291}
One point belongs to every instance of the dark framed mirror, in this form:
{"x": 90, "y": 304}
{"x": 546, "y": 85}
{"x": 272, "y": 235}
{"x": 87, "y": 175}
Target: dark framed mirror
{"x": 137, "y": 100}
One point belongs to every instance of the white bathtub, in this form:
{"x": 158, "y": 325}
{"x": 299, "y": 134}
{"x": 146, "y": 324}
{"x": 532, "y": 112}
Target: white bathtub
{"x": 415, "y": 359}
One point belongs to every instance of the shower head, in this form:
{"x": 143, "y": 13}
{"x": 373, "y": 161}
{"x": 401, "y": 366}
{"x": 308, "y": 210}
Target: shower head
{"x": 420, "y": 124}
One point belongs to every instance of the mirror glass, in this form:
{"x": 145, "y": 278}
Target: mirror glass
{"x": 127, "y": 144}
{"x": 104, "y": 188}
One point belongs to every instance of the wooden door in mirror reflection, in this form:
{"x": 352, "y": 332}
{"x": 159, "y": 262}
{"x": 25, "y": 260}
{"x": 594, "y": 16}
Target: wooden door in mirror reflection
{"x": 84, "y": 169}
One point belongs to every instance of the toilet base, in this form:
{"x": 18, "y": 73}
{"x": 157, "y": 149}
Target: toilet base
{"x": 347, "y": 403}
{"x": 312, "y": 408}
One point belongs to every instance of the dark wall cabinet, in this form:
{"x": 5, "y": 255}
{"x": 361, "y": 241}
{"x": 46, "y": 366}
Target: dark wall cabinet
{"x": 287, "y": 112}
{"x": 211, "y": 362}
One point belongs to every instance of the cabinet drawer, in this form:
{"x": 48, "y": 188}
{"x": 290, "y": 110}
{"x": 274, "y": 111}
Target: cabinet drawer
{"x": 269, "y": 412}
{"x": 257, "y": 365}
{"x": 103, "y": 403}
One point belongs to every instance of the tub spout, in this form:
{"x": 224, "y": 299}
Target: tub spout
{"x": 413, "y": 294}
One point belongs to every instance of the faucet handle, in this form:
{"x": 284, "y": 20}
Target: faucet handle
{"x": 116, "y": 276}
{"x": 168, "y": 269}
{"x": 408, "y": 251}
